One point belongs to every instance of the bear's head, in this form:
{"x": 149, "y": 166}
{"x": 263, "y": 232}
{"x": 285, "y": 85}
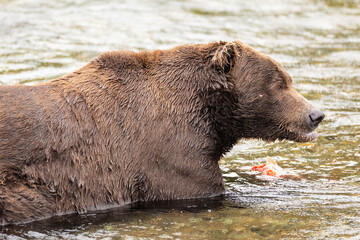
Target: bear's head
{"x": 265, "y": 103}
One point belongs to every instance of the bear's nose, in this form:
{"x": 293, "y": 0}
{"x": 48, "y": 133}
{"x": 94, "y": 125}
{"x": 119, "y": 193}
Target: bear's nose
{"x": 315, "y": 117}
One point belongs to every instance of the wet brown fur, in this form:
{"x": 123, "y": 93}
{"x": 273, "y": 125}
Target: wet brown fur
{"x": 141, "y": 126}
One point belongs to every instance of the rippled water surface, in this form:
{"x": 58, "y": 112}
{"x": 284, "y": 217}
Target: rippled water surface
{"x": 317, "y": 41}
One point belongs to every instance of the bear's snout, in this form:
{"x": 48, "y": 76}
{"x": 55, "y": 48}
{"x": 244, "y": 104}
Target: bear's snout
{"x": 315, "y": 117}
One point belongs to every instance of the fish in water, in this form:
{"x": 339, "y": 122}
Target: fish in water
{"x": 271, "y": 168}
{"x": 270, "y": 171}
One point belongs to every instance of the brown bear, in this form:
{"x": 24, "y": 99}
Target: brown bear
{"x": 144, "y": 126}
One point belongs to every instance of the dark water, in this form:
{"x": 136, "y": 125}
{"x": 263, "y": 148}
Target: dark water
{"x": 318, "y": 41}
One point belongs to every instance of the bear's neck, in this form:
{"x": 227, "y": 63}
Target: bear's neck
{"x": 178, "y": 97}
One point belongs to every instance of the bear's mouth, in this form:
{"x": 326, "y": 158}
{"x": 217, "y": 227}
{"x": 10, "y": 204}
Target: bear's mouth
{"x": 308, "y": 137}
{"x": 301, "y": 136}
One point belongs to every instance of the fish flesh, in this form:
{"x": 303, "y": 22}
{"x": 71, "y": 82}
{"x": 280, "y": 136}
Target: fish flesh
{"x": 271, "y": 168}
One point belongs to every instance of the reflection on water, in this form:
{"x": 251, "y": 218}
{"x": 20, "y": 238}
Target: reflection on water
{"x": 318, "y": 41}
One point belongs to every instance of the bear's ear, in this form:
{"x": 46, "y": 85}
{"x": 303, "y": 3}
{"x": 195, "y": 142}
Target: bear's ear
{"x": 224, "y": 57}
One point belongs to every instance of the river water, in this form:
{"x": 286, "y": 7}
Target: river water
{"x": 318, "y": 42}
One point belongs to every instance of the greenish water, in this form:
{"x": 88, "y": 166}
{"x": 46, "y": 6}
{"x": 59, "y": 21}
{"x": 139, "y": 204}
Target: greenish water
{"x": 318, "y": 41}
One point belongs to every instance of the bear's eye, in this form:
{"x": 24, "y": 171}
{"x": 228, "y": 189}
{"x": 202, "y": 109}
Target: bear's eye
{"x": 280, "y": 85}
